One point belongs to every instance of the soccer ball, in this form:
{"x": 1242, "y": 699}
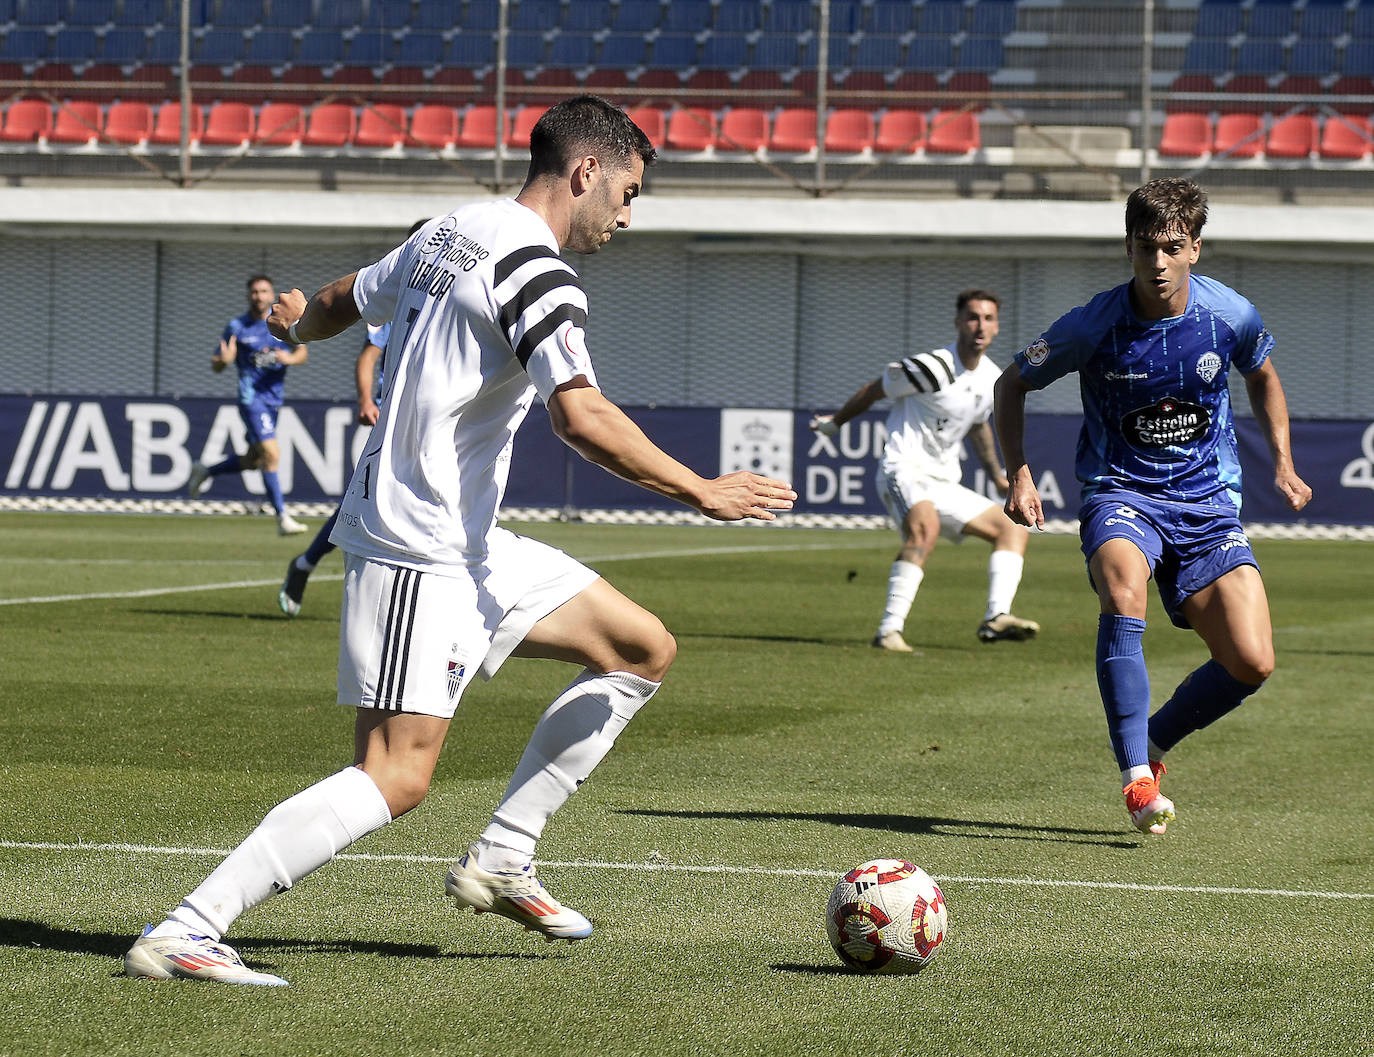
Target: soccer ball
{"x": 886, "y": 916}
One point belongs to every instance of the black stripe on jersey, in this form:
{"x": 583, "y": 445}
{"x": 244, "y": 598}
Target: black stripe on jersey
{"x": 507, "y": 265}
{"x": 916, "y": 383}
{"x": 546, "y": 326}
{"x": 930, "y": 357}
{"x": 918, "y": 361}
{"x": 400, "y": 618}
{"x": 533, "y": 290}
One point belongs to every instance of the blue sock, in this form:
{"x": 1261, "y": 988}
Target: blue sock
{"x": 320, "y": 545}
{"x": 1203, "y": 697}
{"x": 269, "y": 478}
{"x": 1125, "y": 687}
{"x": 229, "y": 465}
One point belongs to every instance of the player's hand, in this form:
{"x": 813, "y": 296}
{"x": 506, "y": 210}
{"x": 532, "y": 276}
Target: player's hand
{"x": 743, "y": 495}
{"x": 368, "y": 412}
{"x": 1023, "y": 500}
{"x": 228, "y": 350}
{"x": 1295, "y": 491}
{"x": 289, "y": 307}
{"x": 824, "y": 425}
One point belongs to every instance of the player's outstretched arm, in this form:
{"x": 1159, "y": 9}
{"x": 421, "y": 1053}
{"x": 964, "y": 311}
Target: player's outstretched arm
{"x": 365, "y": 378}
{"x": 855, "y": 405}
{"x": 331, "y": 311}
{"x": 228, "y": 352}
{"x": 603, "y": 434}
{"x": 1009, "y": 412}
{"x": 1271, "y": 412}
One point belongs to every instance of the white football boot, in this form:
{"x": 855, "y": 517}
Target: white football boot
{"x": 191, "y": 958}
{"x": 517, "y": 895}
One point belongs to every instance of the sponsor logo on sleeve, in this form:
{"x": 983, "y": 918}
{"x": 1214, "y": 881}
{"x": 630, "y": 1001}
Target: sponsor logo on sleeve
{"x": 1037, "y": 352}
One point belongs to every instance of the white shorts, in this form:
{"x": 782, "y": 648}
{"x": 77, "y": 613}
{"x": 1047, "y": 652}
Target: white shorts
{"x": 410, "y": 641}
{"x": 956, "y": 505}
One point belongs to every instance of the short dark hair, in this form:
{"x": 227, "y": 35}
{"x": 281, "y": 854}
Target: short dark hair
{"x": 586, "y": 125}
{"x": 974, "y": 293}
{"x": 1162, "y": 207}
{"x": 259, "y": 279}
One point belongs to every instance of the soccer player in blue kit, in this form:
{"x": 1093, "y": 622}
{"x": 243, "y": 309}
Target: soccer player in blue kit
{"x": 1161, "y": 477}
{"x": 261, "y": 360}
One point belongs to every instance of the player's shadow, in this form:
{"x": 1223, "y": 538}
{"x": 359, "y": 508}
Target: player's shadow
{"x": 228, "y": 614}
{"x": 35, "y": 935}
{"x": 915, "y": 825}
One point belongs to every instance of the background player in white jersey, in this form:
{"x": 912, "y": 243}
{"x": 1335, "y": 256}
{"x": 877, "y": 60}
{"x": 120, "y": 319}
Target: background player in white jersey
{"x": 938, "y": 399}
{"x": 485, "y": 314}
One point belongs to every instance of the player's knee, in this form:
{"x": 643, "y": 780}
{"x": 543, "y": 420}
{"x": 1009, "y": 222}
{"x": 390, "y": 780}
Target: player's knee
{"x": 403, "y": 792}
{"x": 1253, "y": 670}
{"x": 660, "y": 654}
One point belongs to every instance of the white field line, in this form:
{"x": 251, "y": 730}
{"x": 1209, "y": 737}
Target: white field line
{"x": 593, "y": 561}
{"x": 747, "y": 871}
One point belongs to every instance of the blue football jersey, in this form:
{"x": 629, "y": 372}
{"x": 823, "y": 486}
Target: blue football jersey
{"x": 262, "y": 377}
{"x": 1156, "y": 411}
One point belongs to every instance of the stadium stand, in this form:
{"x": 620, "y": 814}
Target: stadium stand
{"x": 77, "y": 121}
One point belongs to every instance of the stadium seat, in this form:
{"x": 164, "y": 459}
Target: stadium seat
{"x": 711, "y": 88}
{"x": 725, "y": 52}
{"x": 26, "y": 121}
{"x": 515, "y": 86}
{"x": 953, "y": 132}
{"x": 280, "y": 125}
{"x": 963, "y": 89}
{"x": 90, "y": 13}
{"x": 219, "y": 47}
{"x": 102, "y": 81}
{"x": 76, "y": 121}
{"x": 478, "y": 129}
{"x": 873, "y": 52}
{"x": 129, "y": 123}
{"x": 56, "y": 77}
{"x": 605, "y": 82}
{"x": 691, "y": 128}
{"x": 677, "y": 50}
{"x": 1264, "y": 57}
{"x": 420, "y": 49}
{"x": 1270, "y": 21}
{"x": 292, "y": 14}
{"x": 1314, "y": 58}
{"x": 572, "y": 50}
{"x": 456, "y": 86}
{"x": 980, "y": 55}
{"x": 381, "y": 126}
{"x": 760, "y": 88}
{"x": 586, "y": 16}
{"x": 790, "y": 16}
{"x": 1353, "y": 95}
{"x": 525, "y": 49}
{"x": 164, "y": 45}
{"x": 254, "y": 84}
{"x": 892, "y": 16}
{"x": 270, "y": 47}
{"x": 471, "y": 49}
{"x": 942, "y": 18}
{"x": 900, "y": 132}
{"x": 794, "y": 131}
{"x": 652, "y": 123}
{"x": 849, "y": 131}
{"x": 738, "y": 16}
{"x": 1292, "y": 136}
{"x": 305, "y": 84}
{"x": 39, "y": 12}
{"x": 229, "y": 125}
{"x": 339, "y": 14}
{"x": 1251, "y": 92}
{"x": 144, "y": 13}
{"x": 992, "y": 19}
{"x": 1219, "y": 18}
{"x": 434, "y": 126}
{"x": 654, "y": 81}
{"x": 440, "y": 17}
{"x": 1323, "y": 21}
{"x": 123, "y": 46}
{"x": 1191, "y": 83}
{"x": 371, "y": 48}
{"x": 915, "y": 81}
{"x": 356, "y": 83}
{"x": 207, "y": 82}
{"x": 167, "y": 124}
{"x": 742, "y": 128}
{"x": 152, "y": 81}
{"x": 24, "y": 45}
{"x": 637, "y": 16}
{"x": 1346, "y": 137}
{"x": 73, "y": 45}
{"x": 1185, "y": 135}
{"x": 932, "y": 54}
{"x": 525, "y": 119}
{"x": 776, "y": 51}
{"x": 321, "y": 47}
{"x": 686, "y": 16}
{"x": 1238, "y": 135}
{"x": 551, "y": 85}
{"x": 388, "y": 14}
{"x": 329, "y": 125}
{"x": 537, "y": 15}
{"x": 236, "y": 14}
{"x": 1207, "y": 55}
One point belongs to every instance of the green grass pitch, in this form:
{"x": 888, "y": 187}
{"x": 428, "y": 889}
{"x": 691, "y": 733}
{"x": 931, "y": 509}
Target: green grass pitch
{"x": 150, "y": 720}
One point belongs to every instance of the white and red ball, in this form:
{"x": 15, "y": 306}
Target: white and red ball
{"x": 886, "y": 916}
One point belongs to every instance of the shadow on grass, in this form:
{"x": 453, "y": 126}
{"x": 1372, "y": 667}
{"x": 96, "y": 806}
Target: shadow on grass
{"x": 803, "y": 969}
{"x": 915, "y": 825}
{"x": 274, "y": 614}
{"x": 15, "y": 932}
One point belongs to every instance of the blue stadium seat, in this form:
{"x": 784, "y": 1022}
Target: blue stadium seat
{"x": 320, "y": 47}
{"x": 271, "y": 47}
{"x": 587, "y": 16}
{"x": 288, "y": 14}
{"x": 930, "y": 54}
{"x": 637, "y": 16}
{"x": 124, "y": 46}
{"x": 737, "y": 16}
{"x": 777, "y": 51}
{"x": 1219, "y": 18}
{"x": 942, "y": 17}
{"x": 790, "y": 16}
{"x": 572, "y": 50}
{"x": 992, "y": 18}
{"x": 237, "y": 14}
{"x": 842, "y": 53}
{"x": 91, "y": 12}
{"x": 143, "y": 14}
{"x": 471, "y": 50}
{"x": 1207, "y": 55}
{"x": 420, "y": 49}
{"x": 371, "y": 47}
{"x": 38, "y": 14}
{"x": 1259, "y": 56}
{"x": 673, "y": 49}
{"x": 1362, "y": 25}
{"x": 980, "y": 55}
{"x": 1270, "y": 21}
{"x": 440, "y": 17}
{"x": 24, "y": 45}
{"x": 687, "y": 16}
{"x": 73, "y": 45}
{"x": 219, "y": 47}
{"x": 538, "y": 15}
{"x": 339, "y": 14}
{"x": 1322, "y": 21}
{"x": 1316, "y": 58}
{"x": 874, "y": 52}
{"x": 163, "y": 46}
{"x": 622, "y": 51}
{"x": 846, "y": 17}
{"x": 1359, "y": 58}
{"x": 388, "y": 14}
{"x": 725, "y": 51}
{"x": 525, "y": 49}
{"x": 892, "y": 16}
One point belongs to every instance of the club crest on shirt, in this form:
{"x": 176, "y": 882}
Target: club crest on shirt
{"x": 1208, "y": 366}
{"x": 1037, "y": 352}
{"x": 456, "y": 671}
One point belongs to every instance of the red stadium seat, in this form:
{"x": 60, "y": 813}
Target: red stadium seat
{"x": 229, "y": 125}
{"x": 691, "y": 128}
{"x": 406, "y": 86}
{"x": 457, "y": 86}
{"x": 329, "y": 125}
{"x": 129, "y": 123}
{"x": 900, "y": 132}
{"x": 523, "y": 125}
{"x": 967, "y": 87}
{"x": 479, "y": 128}
{"x": 608, "y": 83}
{"x": 103, "y": 82}
{"x": 152, "y": 82}
{"x": 280, "y": 125}
{"x": 1346, "y": 136}
{"x": 263, "y": 85}
{"x": 1190, "y": 82}
{"x": 953, "y": 132}
{"x": 794, "y": 131}
{"x": 1358, "y": 93}
{"x": 1252, "y": 93}
{"x": 865, "y": 88}
{"x": 381, "y": 126}
{"x": 760, "y": 88}
{"x": 434, "y": 126}
{"x": 555, "y": 85}
{"x": 1239, "y": 135}
{"x": 916, "y": 81}
{"x": 167, "y": 124}
{"x": 743, "y": 128}
{"x": 27, "y": 121}
{"x": 652, "y": 123}
{"x": 849, "y": 131}
{"x": 1294, "y": 136}
{"x": 78, "y": 121}
{"x": 711, "y": 88}
{"x": 1185, "y": 135}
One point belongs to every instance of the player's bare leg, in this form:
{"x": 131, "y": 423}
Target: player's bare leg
{"x": 1005, "y": 566}
{"x": 624, "y": 651}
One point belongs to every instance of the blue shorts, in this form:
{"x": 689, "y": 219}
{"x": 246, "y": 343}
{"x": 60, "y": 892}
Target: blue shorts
{"x": 260, "y": 420}
{"x": 1187, "y": 545}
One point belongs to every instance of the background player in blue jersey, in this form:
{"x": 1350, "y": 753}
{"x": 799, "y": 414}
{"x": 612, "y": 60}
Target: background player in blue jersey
{"x": 261, "y": 360}
{"x": 1161, "y": 478}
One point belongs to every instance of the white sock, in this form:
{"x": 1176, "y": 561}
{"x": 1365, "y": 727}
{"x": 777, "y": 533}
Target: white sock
{"x": 902, "y": 584}
{"x": 1004, "y": 577}
{"x": 570, "y": 739}
{"x": 1153, "y": 751}
{"x": 1130, "y": 774}
{"x": 297, "y": 837}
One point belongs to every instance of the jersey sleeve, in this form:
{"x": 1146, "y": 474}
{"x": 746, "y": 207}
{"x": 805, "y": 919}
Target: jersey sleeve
{"x": 1055, "y": 353}
{"x": 378, "y": 334}
{"x": 923, "y": 373}
{"x": 378, "y": 287}
{"x": 1253, "y": 343}
{"x": 543, "y": 313}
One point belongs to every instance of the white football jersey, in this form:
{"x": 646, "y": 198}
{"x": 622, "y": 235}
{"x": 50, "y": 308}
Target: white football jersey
{"x": 484, "y": 314}
{"x": 935, "y": 402}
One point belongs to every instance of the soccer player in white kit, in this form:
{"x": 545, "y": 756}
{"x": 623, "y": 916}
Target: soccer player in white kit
{"x": 938, "y": 399}
{"x": 484, "y": 316}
